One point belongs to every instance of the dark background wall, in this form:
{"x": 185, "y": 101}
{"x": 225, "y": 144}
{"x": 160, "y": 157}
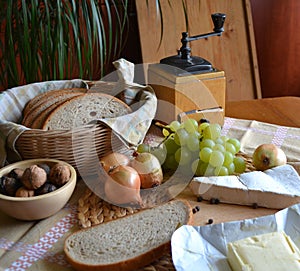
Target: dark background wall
{"x": 276, "y": 27}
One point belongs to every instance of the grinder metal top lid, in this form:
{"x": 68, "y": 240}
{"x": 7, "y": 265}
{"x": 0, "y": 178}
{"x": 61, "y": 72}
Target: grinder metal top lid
{"x": 194, "y": 64}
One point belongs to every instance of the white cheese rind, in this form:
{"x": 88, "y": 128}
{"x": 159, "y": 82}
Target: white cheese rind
{"x": 275, "y": 188}
{"x": 271, "y": 251}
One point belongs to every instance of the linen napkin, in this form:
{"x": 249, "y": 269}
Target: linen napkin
{"x": 12, "y": 103}
{"x": 132, "y": 128}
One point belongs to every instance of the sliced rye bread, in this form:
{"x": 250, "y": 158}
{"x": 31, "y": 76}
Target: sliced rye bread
{"x": 39, "y": 120}
{"x": 81, "y": 110}
{"x": 128, "y": 243}
{"x": 41, "y": 98}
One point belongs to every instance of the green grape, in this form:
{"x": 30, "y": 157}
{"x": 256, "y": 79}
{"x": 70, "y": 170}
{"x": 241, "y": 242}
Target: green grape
{"x": 196, "y": 165}
{"x": 170, "y": 145}
{"x": 219, "y": 147}
{"x": 230, "y": 147}
{"x": 210, "y": 170}
{"x": 143, "y": 147}
{"x": 202, "y": 168}
{"x": 239, "y": 164}
{"x": 170, "y": 162}
{"x": 205, "y": 154}
{"x": 213, "y": 131}
{"x": 181, "y": 137}
{"x": 174, "y": 125}
{"x": 207, "y": 143}
{"x": 221, "y": 171}
{"x": 228, "y": 158}
{"x": 202, "y": 127}
{"x": 160, "y": 153}
{"x": 190, "y": 125}
{"x": 193, "y": 142}
{"x": 219, "y": 141}
{"x": 224, "y": 138}
{"x": 165, "y": 132}
{"x": 216, "y": 159}
{"x": 183, "y": 156}
{"x": 230, "y": 168}
{"x": 236, "y": 143}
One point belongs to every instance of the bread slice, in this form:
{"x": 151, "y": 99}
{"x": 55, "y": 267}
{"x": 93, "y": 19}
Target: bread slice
{"x": 32, "y": 107}
{"x": 45, "y": 109}
{"x": 128, "y": 243}
{"x": 81, "y": 110}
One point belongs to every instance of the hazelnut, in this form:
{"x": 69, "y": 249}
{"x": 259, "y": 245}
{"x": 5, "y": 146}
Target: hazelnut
{"x": 59, "y": 174}
{"x": 34, "y": 177}
{"x": 24, "y": 192}
{"x": 9, "y": 185}
{"x": 45, "y": 188}
{"x": 16, "y": 173}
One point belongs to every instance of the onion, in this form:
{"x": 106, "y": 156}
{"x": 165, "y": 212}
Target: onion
{"x": 114, "y": 159}
{"x": 124, "y": 186}
{"x": 149, "y": 169}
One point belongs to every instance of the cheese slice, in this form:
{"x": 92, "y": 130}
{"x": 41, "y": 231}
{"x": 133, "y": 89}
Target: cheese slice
{"x": 276, "y": 188}
{"x": 271, "y": 251}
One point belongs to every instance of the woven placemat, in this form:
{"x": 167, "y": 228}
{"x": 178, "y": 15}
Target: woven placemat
{"x": 92, "y": 210}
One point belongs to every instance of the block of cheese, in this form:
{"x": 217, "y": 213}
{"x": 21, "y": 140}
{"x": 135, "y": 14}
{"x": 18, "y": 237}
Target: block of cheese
{"x": 274, "y": 251}
{"x": 276, "y": 188}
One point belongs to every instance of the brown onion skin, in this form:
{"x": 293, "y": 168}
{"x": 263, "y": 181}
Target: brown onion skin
{"x": 114, "y": 159}
{"x": 149, "y": 169}
{"x": 124, "y": 186}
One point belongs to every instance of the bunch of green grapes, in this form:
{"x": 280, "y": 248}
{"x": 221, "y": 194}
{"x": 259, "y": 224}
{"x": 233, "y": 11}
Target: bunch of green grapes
{"x": 198, "y": 148}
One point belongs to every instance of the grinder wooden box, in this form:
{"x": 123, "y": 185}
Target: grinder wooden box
{"x": 182, "y": 92}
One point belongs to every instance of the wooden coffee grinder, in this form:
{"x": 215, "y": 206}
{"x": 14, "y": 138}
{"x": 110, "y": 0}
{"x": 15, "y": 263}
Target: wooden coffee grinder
{"x": 188, "y": 85}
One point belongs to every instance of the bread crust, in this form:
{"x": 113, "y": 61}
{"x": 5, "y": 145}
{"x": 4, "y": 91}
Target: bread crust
{"x": 33, "y": 106}
{"x": 79, "y": 99}
{"x": 132, "y": 263}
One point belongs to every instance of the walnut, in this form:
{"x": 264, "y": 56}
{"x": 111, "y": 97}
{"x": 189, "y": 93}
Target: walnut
{"x": 16, "y": 173}
{"x": 24, "y": 192}
{"x": 45, "y": 188}
{"x": 59, "y": 174}
{"x": 45, "y": 167}
{"x": 9, "y": 185}
{"x": 34, "y": 177}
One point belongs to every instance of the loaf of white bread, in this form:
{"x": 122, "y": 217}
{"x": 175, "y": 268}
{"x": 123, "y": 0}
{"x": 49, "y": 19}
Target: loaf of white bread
{"x": 274, "y": 251}
{"x": 128, "y": 243}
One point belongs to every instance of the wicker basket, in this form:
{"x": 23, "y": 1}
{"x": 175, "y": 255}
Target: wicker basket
{"x": 80, "y": 147}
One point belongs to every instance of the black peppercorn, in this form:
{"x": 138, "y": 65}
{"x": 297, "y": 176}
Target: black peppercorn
{"x": 199, "y": 198}
{"x": 210, "y": 221}
{"x": 214, "y": 201}
{"x": 196, "y": 209}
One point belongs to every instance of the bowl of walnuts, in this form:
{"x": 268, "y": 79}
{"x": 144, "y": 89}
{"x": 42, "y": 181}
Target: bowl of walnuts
{"x": 35, "y": 189}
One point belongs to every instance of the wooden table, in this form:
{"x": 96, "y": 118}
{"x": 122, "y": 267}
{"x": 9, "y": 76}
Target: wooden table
{"x": 19, "y": 238}
{"x": 281, "y": 111}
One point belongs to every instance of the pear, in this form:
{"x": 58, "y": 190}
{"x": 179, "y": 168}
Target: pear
{"x": 266, "y": 156}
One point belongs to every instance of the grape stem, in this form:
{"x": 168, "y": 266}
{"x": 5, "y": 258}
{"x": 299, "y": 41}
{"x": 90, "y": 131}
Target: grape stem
{"x": 163, "y": 126}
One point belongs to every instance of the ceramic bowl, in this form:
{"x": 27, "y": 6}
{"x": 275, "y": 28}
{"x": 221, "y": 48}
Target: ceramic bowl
{"x": 41, "y": 206}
